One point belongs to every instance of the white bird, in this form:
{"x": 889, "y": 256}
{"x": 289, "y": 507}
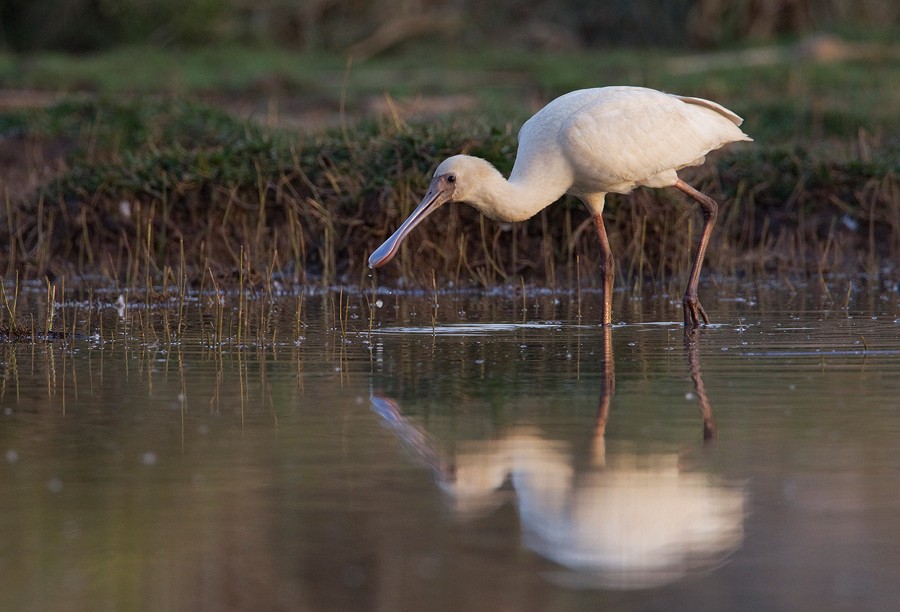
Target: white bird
{"x": 588, "y": 143}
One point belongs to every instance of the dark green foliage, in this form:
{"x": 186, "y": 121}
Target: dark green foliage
{"x": 83, "y": 25}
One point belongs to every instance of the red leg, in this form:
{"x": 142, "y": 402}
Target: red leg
{"x": 693, "y": 311}
{"x": 607, "y": 269}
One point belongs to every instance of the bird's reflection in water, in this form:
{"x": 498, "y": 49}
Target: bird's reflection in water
{"x": 622, "y": 519}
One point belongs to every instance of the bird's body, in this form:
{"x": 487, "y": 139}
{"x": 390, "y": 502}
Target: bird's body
{"x": 588, "y": 143}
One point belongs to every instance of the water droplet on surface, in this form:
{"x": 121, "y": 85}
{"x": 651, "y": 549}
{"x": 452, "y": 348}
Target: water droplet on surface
{"x": 148, "y": 458}
{"x": 12, "y": 456}
{"x": 55, "y": 485}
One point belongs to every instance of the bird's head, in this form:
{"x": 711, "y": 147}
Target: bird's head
{"x": 456, "y": 179}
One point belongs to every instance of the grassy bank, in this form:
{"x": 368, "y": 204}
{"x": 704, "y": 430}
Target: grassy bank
{"x": 176, "y": 186}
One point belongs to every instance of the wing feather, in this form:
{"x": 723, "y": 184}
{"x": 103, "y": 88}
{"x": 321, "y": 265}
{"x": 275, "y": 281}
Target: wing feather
{"x": 635, "y": 136}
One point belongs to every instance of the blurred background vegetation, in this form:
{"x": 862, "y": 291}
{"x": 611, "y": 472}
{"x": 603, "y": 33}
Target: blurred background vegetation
{"x": 370, "y": 26}
{"x": 301, "y": 132}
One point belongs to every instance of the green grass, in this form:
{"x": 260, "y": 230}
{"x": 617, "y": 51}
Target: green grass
{"x": 794, "y": 99}
{"x": 141, "y": 70}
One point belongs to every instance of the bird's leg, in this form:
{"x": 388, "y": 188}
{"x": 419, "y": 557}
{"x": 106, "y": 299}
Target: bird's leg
{"x": 693, "y": 311}
{"x": 607, "y": 269}
{"x": 691, "y": 339}
{"x": 607, "y": 388}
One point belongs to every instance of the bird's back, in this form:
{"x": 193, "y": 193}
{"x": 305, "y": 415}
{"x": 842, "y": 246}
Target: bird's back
{"x": 612, "y": 139}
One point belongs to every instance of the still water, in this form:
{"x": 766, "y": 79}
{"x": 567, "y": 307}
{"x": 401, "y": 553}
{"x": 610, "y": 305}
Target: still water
{"x": 455, "y": 452}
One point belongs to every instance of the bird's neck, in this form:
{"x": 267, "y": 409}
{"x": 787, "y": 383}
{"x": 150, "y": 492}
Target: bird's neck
{"x": 516, "y": 199}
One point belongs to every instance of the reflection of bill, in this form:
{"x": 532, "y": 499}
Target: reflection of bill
{"x": 623, "y": 519}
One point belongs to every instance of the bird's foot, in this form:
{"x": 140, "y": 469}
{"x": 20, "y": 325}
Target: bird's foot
{"x": 693, "y": 312}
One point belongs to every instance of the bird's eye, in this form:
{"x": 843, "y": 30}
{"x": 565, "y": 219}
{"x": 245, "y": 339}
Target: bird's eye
{"x": 451, "y": 178}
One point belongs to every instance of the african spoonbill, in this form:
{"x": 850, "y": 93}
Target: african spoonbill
{"x": 588, "y": 143}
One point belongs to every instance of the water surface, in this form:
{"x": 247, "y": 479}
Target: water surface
{"x": 455, "y": 452}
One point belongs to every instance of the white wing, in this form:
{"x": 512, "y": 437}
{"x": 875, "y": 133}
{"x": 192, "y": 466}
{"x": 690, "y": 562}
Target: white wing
{"x": 624, "y": 136}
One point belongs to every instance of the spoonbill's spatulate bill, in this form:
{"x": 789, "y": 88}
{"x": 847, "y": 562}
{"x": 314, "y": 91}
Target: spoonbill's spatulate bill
{"x": 588, "y": 143}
